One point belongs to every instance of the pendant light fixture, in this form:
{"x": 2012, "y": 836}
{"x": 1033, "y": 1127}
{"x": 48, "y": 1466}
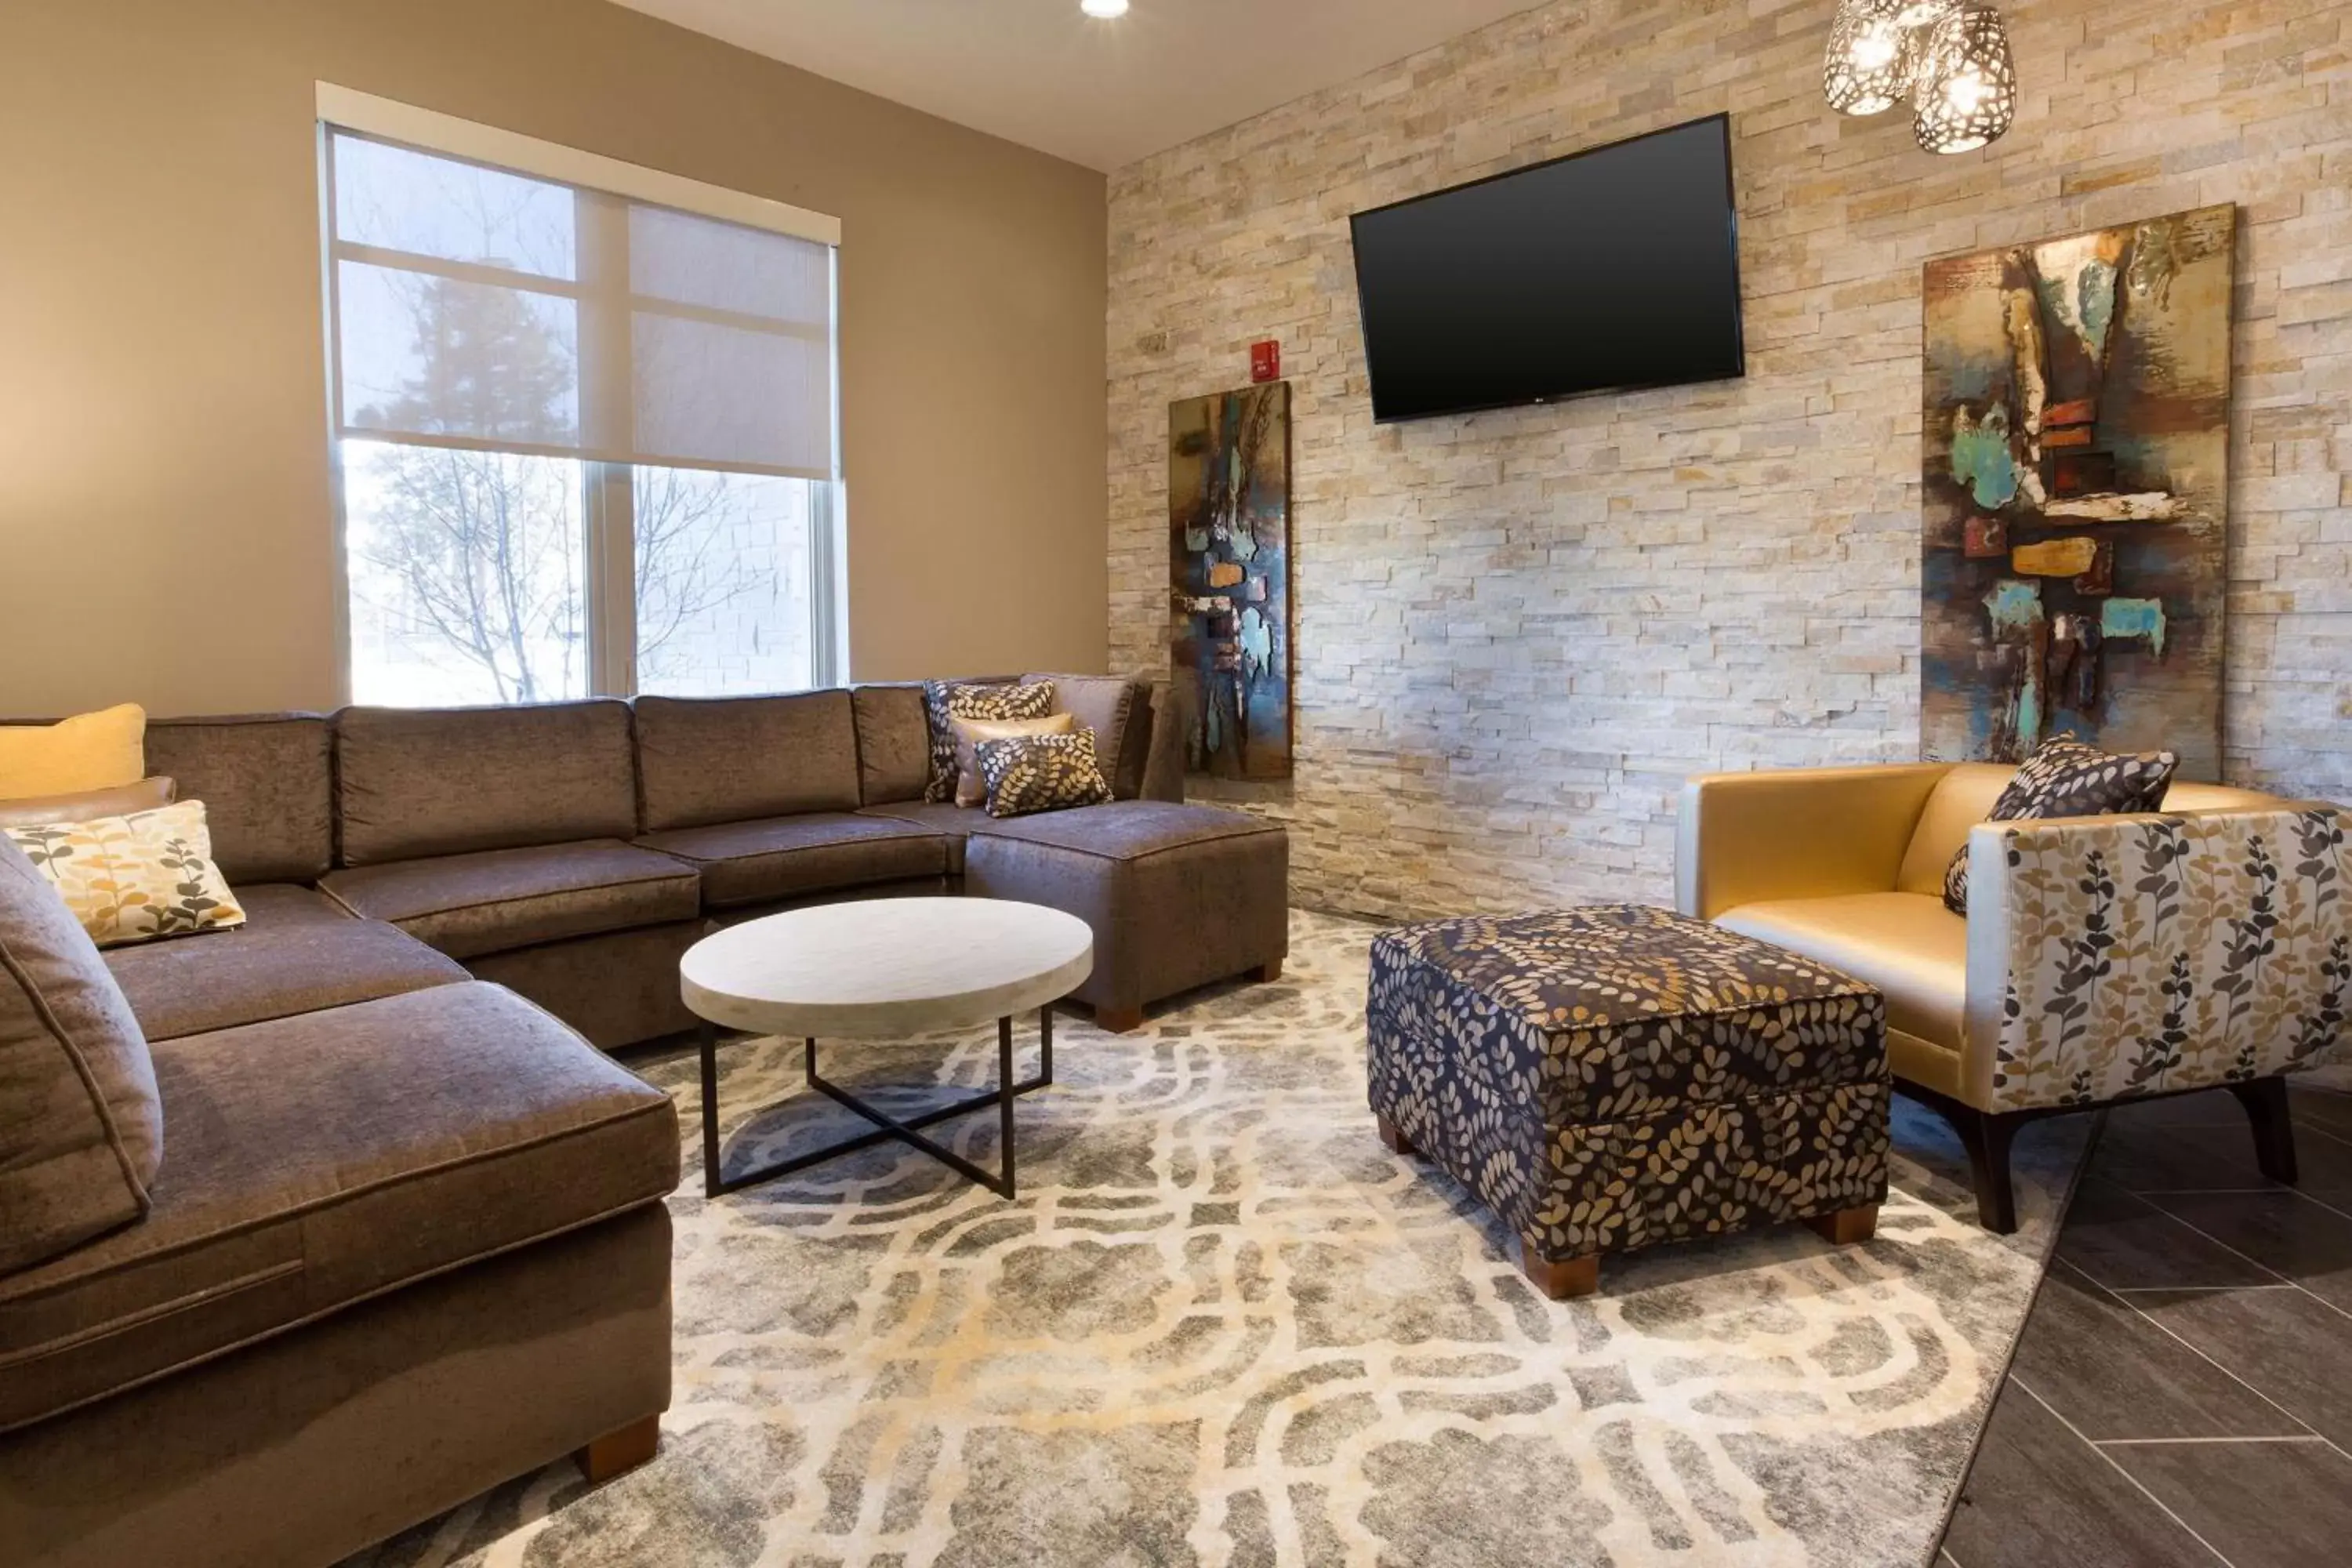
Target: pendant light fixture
{"x": 1871, "y": 54}
{"x": 1950, "y": 57}
{"x": 1966, "y": 93}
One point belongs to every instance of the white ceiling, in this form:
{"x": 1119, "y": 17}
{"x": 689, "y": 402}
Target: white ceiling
{"x": 1099, "y": 93}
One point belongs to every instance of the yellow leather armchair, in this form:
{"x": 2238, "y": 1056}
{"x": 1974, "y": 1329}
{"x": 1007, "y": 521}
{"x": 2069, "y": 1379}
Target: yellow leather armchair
{"x": 2101, "y": 959}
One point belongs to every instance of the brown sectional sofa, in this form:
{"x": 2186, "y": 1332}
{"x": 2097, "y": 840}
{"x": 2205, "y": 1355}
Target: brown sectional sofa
{"x": 408, "y": 1238}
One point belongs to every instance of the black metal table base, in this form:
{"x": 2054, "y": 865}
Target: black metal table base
{"x": 715, "y": 1181}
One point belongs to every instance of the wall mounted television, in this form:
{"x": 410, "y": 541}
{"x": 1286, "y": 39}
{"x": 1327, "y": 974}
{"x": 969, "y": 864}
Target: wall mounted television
{"x": 1612, "y": 268}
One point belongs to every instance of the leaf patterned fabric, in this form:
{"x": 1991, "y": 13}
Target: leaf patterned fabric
{"x": 1042, "y": 772}
{"x": 2151, "y": 955}
{"x": 134, "y": 878}
{"x": 945, "y": 701}
{"x": 2066, "y": 778}
{"x": 1614, "y": 1077}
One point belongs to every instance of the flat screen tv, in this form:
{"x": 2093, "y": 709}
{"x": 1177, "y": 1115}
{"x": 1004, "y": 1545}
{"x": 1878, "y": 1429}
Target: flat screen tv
{"x": 1616, "y": 267}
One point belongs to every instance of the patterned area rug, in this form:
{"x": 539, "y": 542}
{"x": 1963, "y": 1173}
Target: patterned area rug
{"x": 1222, "y": 1326}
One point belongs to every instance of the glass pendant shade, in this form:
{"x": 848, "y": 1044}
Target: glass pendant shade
{"x": 1871, "y": 57}
{"x": 1965, "y": 95}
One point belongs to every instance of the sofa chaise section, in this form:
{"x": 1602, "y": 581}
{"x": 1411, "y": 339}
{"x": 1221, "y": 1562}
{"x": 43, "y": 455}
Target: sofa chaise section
{"x": 501, "y": 837}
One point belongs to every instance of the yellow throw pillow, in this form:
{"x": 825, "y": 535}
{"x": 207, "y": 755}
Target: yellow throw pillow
{"x": 971, "y": 789}
{"x": 136, "y": 877}
{"x": 105, "y": 750}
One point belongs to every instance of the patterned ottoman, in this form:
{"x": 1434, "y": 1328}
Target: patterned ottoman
{"x": 1611, "y": 1078}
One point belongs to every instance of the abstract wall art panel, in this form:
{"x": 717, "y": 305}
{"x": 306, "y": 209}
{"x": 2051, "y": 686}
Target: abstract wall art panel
{"x": 1229, "y": 577}
{"x": 2076, "y": 447}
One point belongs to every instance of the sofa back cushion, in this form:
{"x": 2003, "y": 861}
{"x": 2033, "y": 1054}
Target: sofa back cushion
{"x": 1962, "y": 798}
{"x": 706, "y": 760}
{"x": 81, "y": 1126}
{"x": 411, "y": 782}
{"x": 1118, "y": 710}
{"x": 893, "y": 749}
{"x": 267, "y": 784}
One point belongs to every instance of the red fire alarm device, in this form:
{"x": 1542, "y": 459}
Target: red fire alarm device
{"x": 1265, "y": 360}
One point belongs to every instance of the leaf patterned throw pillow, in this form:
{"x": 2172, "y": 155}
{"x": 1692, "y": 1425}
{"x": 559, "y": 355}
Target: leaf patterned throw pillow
{"x": 2067, "y": 778}
{"x": 133, "y": 879}
{"x": 1042, "y": 772}
{"x": 945, "y": 701}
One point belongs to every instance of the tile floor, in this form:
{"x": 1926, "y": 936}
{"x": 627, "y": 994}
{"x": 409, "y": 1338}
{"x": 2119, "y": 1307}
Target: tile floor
{"x": 2182, "y": 1394}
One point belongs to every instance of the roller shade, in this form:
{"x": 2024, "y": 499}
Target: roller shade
{"x": 482, "y": 307}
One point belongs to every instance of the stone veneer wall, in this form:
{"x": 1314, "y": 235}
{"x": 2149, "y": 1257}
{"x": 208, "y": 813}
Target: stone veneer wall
{"x": 1518, "y": 632}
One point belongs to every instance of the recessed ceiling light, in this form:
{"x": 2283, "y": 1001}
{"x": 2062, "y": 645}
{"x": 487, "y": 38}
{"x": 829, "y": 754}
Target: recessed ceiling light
{"x": 1103, "y": 8}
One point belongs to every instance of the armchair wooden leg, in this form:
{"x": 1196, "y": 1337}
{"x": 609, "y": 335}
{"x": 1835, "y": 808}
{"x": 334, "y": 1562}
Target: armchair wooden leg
{"x": 1119, "y": 1020}
{"x": 1986, "y": 1137}
{"x": 2267, "y": 1108}
{"x": 1268, "y": 973}
{"x": 620, "y": 1450}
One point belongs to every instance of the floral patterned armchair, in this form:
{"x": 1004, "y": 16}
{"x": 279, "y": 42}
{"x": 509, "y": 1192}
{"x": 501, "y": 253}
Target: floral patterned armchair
{"x": 2101, "y": 959}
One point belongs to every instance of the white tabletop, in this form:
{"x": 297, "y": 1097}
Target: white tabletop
{"x": 885, "y": 968}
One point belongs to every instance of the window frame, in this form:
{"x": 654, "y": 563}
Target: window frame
{"x": 608, "y": 495}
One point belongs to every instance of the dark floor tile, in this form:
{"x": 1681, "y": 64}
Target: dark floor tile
{"x": 2262, "y": 1505}
{"x": 2124, "y": 1242}
{"x": 2112, "y": 1372}
{"x": 2292, "y": 1347}
{"x": 2327, "y": 1108}
{"x": 2037, "y": 1494}
{"x": 2302, "y": 1240}
{"x": 2206, "y": 1108}
{"x": 2206, "y": 1159}
{"x": 2179, "y": 1159}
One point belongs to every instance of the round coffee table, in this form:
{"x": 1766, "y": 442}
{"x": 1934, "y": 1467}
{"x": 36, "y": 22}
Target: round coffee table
{"x": 882, "y": 969}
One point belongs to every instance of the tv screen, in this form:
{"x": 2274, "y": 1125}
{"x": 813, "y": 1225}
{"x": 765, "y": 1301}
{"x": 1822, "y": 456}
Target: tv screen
{"x": 1615, "y": 267}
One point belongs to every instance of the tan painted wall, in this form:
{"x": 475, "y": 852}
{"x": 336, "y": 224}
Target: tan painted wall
{"x": 1518, "y": 632}
{"x": 164, "y": 526}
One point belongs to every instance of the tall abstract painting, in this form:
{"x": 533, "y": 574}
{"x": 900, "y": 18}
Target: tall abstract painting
{"x": 2076, "y": 443}
{"x": 1229, "y": 576}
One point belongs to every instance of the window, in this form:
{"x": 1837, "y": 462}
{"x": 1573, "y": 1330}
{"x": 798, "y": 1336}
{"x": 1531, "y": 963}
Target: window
{"x": 586, "y": 437}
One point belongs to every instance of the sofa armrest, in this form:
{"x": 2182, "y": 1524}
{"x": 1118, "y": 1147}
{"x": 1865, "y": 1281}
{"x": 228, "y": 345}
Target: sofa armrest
{"x": 1163, "y": 770}
{"x": 1802, "y": 833}
{"x": 2126, "y": 955}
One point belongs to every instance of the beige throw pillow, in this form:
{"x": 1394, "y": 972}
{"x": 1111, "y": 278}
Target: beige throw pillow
{"x": 137, "y": 878}
{"x": 88, "y": 804}
{"x": 81, "y": 1126}
{"x": 105, "y": 750}
{"x": 970, "y": 788}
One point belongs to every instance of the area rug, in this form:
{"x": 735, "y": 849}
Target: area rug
{"x": 1221, "y": 1326}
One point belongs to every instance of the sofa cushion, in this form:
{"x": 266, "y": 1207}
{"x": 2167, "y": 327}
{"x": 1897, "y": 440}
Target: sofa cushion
{"x": 299, "y": 951}
{"x": 1118, "y": 710}
{"x": 1127, "y": 829}
{"x": 80, "y": 1126}
{"x": 319, "y": 1160}
{"x": 1031, "y": 773}
{"x": 894, "y": 743}
{"x": 417, "y": 781}
{"x": 1907, "y": 945}
{"x": 706, "y": 760}
{"x": 501, "y": 898}
{"x": 794, "y": 856}
{"x": 267, "y": 784}
{"x": 944, "y": 817}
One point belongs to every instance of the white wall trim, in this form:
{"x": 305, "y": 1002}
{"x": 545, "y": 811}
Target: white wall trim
{"x": 433, "y": 133}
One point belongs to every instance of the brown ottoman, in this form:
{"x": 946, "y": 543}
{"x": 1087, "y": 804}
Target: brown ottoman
{"x": 1177, "y": 895}
{"x": 1611, "y": 1078}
